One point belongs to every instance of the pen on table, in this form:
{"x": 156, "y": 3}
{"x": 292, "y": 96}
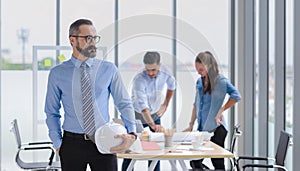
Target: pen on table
{"x": 174, "y": 151}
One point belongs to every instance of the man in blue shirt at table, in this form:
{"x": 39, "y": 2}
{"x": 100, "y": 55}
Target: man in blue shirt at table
{"x": 147, "y": 95}
{"x": 75, "y": 149}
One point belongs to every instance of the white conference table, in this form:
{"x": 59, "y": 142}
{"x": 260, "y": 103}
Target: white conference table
{"x": 177, "y": 152}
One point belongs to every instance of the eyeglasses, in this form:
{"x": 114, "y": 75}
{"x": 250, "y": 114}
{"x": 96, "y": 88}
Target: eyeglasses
{"x": 89, "y": 39}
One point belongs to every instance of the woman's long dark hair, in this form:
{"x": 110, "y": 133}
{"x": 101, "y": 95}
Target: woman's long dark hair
{"x": 209, "y": 61}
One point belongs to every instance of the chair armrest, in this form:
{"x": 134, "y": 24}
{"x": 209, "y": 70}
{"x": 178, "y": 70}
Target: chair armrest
{"x": 254, "y": 158}
{"x": 264, "y": 166}
{"x": 251, "y": 158}
{"x": 37, "y": 148}
{"x": 257, "y": 165}
{"x": 281, "y": 167}
{"x": 42, "y": 148}
{"x": 39, "y": 143}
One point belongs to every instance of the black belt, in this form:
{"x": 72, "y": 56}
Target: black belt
{"x": 75, "y": 135}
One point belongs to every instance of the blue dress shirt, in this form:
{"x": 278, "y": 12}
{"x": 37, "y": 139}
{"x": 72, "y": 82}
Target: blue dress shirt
{"x": 64, "y": 88}
{"x": 147, "y": 92}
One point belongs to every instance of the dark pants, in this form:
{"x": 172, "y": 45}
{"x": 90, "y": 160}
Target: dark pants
{"x": 218, "y": 138}
{"x": 126, "y": 162}
{"x": 75, "y": 153}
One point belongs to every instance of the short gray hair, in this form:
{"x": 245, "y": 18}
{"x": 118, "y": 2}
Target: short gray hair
{"x": 152, "y": 58}
{"x": 74, "y": 28}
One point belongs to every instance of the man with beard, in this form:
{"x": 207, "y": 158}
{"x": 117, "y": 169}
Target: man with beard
{"x": 148, "y": 97}
{"x": 67, "y": 84}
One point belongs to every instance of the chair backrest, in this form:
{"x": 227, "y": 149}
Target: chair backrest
{"x": 236, "y": 133}
{"x": 282, "y": 148}
{"x": 15, "y": 130}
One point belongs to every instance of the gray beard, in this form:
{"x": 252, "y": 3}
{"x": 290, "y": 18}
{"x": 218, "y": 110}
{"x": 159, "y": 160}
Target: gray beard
{"x": 87, "y": 51}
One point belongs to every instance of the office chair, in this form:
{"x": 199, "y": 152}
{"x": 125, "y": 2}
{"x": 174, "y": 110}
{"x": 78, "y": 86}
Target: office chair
{"x": 49, "y": 165}
{"x": 236, "y": 133}
{"x": 282, "y": 147}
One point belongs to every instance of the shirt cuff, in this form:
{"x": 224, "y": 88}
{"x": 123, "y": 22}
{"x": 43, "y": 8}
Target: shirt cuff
{"x": 235, "y": 97}
{"x": 57, "y": 144}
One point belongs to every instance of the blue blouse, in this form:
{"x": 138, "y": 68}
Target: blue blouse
{"x": 208, "y": 105}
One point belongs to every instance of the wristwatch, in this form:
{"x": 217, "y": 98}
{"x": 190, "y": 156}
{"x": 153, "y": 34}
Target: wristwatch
{"x": 133, "y": 133}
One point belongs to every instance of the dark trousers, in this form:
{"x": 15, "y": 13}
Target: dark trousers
{"x": 219, "y": 138}
{"x": 126, "y": 162}
{"x": 75, "y": 153}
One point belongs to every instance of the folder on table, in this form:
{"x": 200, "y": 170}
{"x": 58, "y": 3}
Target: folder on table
{"x": 150, "y": 146}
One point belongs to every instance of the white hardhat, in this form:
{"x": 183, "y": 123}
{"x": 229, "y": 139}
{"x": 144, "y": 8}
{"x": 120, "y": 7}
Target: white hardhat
{"x": 104, "y": 136}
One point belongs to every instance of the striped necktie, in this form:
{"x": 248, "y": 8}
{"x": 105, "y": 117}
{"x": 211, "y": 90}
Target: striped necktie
{"x": 87, "y": 102}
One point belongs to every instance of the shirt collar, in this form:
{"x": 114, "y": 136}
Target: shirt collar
{"x": 77, "y": 62}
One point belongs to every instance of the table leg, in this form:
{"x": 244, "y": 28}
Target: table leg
{"x": 131, "y": 165}
{"x": 173, "y": 165}
{"x": 152, "y": 165}
{"x": 182, "y": 164}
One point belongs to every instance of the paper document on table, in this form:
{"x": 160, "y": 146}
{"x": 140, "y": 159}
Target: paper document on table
{"x": 136, "y": 147}
{"x": 150, "y": 146}
{"x": 189, "y": 147}
{"x": 183, "y": 147}
{"x": 156, "y": 136}
{"x": 179, "y": 136}
{"x": 202, "y": 149}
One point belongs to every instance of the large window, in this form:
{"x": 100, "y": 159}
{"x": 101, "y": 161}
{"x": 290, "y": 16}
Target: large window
{"x": 24, "y": 24}
{"x": 100, "y": 12}
{"x": 289, "y": 72}
{"x": 144, "y": 26}
{"x": 270, "y": 40}
{"x": 196, "y": 33}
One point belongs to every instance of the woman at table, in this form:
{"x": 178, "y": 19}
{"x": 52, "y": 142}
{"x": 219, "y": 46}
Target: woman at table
{"x": 208, "y": 108}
